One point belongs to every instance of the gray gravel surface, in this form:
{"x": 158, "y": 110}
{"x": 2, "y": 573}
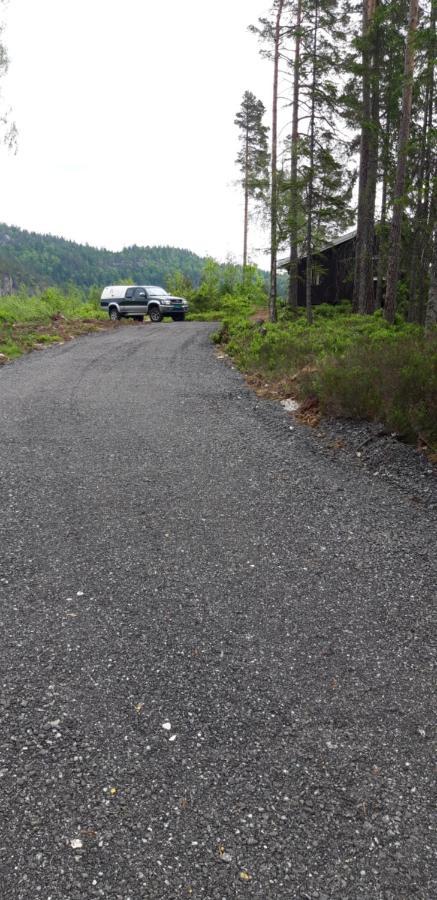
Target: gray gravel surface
{"x": 216, "y": 641}
{"x": 383, "y": 455}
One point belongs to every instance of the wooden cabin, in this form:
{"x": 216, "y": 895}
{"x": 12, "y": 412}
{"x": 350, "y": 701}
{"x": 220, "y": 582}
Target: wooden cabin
{"x": 333, "y": 271}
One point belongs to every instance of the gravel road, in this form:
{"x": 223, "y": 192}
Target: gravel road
{"x": 216, "y": 654}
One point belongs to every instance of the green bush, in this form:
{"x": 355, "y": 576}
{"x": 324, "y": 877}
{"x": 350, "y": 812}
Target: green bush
{"x": 394, "y": 381}
{"x": 356, "y": 366}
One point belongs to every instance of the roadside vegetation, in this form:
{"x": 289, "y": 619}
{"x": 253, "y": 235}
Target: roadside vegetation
{"x": 341, "y": 365}
{"x": 224, "y": 292}
{"x": 32, "y": 322}
{"x": 344, "y": 366}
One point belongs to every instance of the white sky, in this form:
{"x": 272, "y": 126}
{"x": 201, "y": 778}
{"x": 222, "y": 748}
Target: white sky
{"x": 125, "y": 112}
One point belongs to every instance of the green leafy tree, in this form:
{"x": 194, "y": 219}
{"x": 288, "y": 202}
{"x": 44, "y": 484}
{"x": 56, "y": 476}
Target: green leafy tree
{"x": 253, "y": 286}
{"x": 231, "y": 277}
{"x": 179, "y": 285}
{"x": 208, "y": 293}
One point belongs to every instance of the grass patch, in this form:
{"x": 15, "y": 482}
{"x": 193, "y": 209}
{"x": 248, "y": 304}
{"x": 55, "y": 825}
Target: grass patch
{"x": 44, "y": 307}
{"x": 212, "y": 315}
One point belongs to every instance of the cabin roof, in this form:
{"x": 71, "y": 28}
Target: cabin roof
{"x": 342, "y": 239}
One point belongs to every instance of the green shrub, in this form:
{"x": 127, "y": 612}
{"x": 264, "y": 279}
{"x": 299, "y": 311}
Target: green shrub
{"x": 394, "y": 381}
{"x": 356, "y": 366}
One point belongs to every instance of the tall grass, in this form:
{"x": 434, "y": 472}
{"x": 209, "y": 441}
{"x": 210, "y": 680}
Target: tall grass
{"x": 22, "y": 308}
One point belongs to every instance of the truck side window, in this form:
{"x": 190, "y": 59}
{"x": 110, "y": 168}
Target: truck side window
{"x": 140, "y": 293}
{"x": 129, "y": 294}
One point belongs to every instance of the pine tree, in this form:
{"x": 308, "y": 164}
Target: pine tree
{"x": 319, "y": 190}
{"x": 311, "y": 153}
{"x": 253, "y": 156}
{"x": 279, "y": 7}
{"x": 294, "y": 163}
{"x": 423, "y": 165}
{"x": 363, "y": 298}
{"x": 395, "y": 142}
{"x": 398, "y": 196}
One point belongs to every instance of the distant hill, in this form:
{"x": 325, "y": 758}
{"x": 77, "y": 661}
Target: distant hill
{"x": 37, "y": 261}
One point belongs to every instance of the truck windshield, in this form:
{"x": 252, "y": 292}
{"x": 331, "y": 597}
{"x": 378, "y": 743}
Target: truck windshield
{"x": 157, "y": 291}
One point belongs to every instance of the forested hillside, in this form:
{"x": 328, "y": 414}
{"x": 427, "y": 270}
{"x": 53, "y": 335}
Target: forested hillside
{"x": 35, "y": 261}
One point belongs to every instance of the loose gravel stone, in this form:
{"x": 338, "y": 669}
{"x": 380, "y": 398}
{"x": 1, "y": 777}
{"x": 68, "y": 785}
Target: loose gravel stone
{"x": 172, "y": 553}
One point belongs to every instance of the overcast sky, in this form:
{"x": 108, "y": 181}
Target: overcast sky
{"x": 125, "y": 114}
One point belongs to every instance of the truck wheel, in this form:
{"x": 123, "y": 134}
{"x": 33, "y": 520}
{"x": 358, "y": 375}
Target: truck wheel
{"x": 114, "y": 314}
{"x": 155, "y": 314}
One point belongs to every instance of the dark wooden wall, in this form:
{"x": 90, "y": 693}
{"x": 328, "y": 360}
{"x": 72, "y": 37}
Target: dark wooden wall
{"x": 335, "y": 269}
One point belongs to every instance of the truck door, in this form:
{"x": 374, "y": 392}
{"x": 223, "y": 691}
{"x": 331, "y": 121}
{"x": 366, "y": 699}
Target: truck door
{"x": 139, "y": 306}
{"x": 126, "y": 304}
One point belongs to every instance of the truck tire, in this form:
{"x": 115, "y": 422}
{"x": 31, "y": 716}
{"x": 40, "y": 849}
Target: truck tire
{"x": 114, "y": 314}
{"x": 155, "y": 314}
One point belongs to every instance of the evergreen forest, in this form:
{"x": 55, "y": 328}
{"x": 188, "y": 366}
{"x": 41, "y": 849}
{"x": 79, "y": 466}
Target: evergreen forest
{"x": 36, "y": 261}
{"x": 353, "y": 144}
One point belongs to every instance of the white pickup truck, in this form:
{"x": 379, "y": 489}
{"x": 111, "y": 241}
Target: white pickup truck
{"x": 139, "y": 300}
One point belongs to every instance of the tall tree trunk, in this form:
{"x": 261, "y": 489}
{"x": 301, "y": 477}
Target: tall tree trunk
{"x": 367, "y": 292}
{"x": 274, "y": 177}
{"x": 418, "y": 223}
{"x": 309, "y": 239}
{"x": 419, "y": 257}
{"x": 429, "y": 208}
{"x": 431, "y": 306}
{"x": 429, "y": 198}
{"x": 398, "y": 197}
{"x": 363, "y": 296}
{"x": 293, "y": 268}
{"x": 246, "y": 201}
{"x": 382, "y": 244}
{"x": 429, "y": 255}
